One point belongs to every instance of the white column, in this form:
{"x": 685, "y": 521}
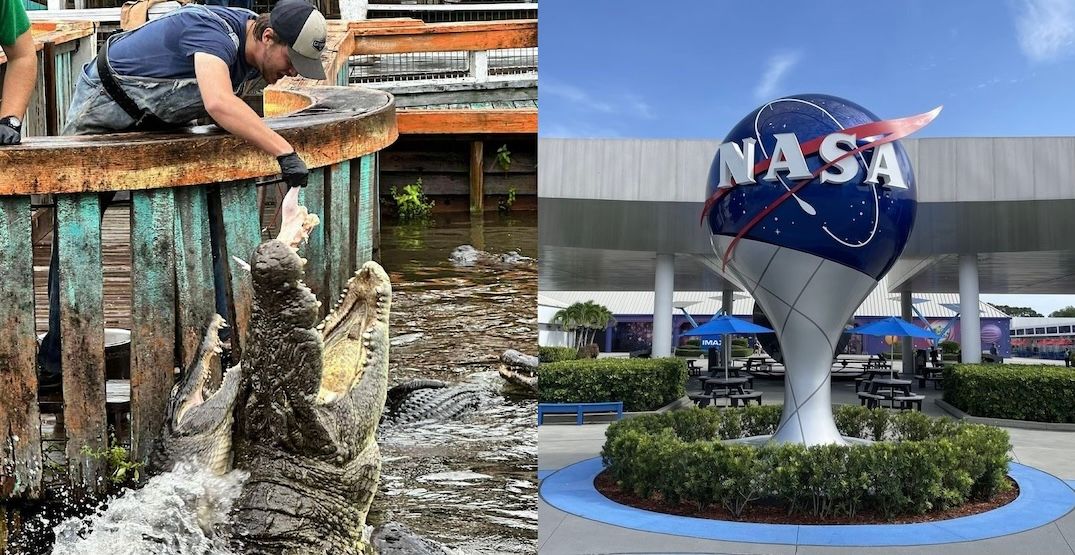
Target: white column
{"x": 970, "y": 327}
{"x": 664, "y": 285}
{"x": 57, "y": 4}
{"x": 907, "y": 348}
{"x": 479, "y": 65}
{"x": 353, "y": 10}
{"x": 727, "y": 303}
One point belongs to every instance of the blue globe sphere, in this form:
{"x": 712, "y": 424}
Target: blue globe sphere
{"x": 860, "y": 225}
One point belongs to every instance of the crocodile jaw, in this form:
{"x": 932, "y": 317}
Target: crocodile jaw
{"x": 198, "y": 423}
{"x": 355, "y": 332}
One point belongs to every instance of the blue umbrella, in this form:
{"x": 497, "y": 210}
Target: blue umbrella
{"x": 724, "y": 325}
{"x": 894, "y": 326}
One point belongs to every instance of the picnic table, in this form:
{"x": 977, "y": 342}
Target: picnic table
{"x": 888, "y": 387}
{"x": 729, "y": 384}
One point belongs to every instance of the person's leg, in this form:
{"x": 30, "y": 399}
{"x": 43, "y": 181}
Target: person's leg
{"x": 48, "y": 356}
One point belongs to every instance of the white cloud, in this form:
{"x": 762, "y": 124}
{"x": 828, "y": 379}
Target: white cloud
{"x": 628, "y": 104}
{"x": 778, "y": 65}
{"x": 1046, "y": 28}
{"x": 638, "y": 106}
{"x": 581, "y": 98}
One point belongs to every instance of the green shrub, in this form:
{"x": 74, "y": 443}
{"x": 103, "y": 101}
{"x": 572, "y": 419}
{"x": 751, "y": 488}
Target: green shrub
{"x": 739, "y": 352}
{"x": 642, "y": 384}
{"x": 740, "y": 342}
{"x": 556, "y": 354}
{"x": 688, "y": 352}
{"x": 949, "y": 347}
{"x": 1013, "y": 391}
{"x": 930, "y": 464}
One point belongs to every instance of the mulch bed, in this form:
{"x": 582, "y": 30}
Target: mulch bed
{"x": 771, "y": 514}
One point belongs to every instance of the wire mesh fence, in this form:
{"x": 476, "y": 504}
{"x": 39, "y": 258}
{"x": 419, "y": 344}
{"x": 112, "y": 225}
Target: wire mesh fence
{"x": 420, "y": 66}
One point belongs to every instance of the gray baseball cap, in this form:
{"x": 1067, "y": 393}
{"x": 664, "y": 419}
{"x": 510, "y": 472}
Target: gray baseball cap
{"x": 303, "y": 28}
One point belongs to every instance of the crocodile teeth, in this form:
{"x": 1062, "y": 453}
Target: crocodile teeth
{"x": 367, "y": 335}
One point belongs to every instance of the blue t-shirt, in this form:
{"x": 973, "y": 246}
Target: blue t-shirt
{"x": 164, "y": 48}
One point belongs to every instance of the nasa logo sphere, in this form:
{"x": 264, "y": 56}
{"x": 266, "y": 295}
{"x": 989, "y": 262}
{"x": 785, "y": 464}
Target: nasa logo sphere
{"x": 817, "y": 174}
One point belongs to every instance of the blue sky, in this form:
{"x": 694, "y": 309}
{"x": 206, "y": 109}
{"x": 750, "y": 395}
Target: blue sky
{"x": 692, "y": 69}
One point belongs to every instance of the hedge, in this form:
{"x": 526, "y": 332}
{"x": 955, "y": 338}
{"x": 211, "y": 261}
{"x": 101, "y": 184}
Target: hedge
{"x": 556, "y": 354}
{"x": 641, "y": 383}
{"x": 1013, "y": 391}
{"x": 689, "y": 352}
{"x": 924, "y": 463}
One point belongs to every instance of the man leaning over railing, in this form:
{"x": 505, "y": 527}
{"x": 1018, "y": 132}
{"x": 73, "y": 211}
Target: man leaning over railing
{"x": 21, "y": 73}
{"x": 191, "y": 63}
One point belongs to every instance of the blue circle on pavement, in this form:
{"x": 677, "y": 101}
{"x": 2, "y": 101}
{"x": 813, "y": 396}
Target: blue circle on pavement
{"x": 1042, "y": 499}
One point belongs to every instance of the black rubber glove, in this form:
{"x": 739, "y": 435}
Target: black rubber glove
{"x": 293, "y": 170}
{"x": 9, "y": 135}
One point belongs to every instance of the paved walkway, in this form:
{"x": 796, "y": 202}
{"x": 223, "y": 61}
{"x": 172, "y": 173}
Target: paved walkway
{"x": 562, "y": 533}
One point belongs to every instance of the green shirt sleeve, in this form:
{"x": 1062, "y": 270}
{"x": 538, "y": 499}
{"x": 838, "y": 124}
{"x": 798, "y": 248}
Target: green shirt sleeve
{"x": 13, "y": 21}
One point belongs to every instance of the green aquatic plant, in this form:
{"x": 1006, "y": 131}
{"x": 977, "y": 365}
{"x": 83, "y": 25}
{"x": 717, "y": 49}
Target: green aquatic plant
{"x": 411, "y": 204}
{"x": 503, "y": 157}
{"x": 118, "y": 461}
{"x": 504, "y": 204}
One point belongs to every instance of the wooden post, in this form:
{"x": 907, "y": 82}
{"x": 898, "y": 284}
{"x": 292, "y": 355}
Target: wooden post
{"x": 363, "y": 190}
{"x": 20, "y": 423}
{"x": 338, "y": 229}
{"x": 195, "y": 294}
{"x": 240, "y": 209}
{"x": 354, "y": 10}
{"x": 52, "y": 110}
{"x": 152, "y": 324}
{"x": 479, "y": 65}
{"x": 82, "y": 332}
{"x": 477, "y": 177}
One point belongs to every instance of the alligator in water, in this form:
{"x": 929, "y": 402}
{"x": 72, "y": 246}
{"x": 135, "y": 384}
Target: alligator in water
{"x": 466, "y": 255}
{"x": 306, "y": 407}
{"x": 520, "y": 370}
{"x": 418, "y": 400}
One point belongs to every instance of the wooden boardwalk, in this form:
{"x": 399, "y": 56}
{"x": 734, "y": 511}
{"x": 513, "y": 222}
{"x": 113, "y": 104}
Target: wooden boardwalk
{"x": 116, "y": 256}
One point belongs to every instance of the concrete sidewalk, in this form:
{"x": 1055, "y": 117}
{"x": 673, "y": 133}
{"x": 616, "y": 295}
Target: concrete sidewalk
{"x": 562, "y": 533}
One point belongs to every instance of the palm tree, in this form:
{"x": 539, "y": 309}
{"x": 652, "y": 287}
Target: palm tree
{"x": 585, "y": 319}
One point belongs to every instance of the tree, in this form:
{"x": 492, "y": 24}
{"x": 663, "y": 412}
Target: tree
{"x": 1066, "y": 312}
{"x": 585, "y": 319}
{"x": 1018, "y": 310}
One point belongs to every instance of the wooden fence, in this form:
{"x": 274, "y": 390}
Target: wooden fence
{"x": 182, "y": 185}
{"x": 62, "y": 49}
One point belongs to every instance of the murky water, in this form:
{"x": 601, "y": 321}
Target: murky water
{"x": 469, "y": 484}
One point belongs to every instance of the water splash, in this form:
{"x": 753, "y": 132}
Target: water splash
{"x": 182, "y": 512}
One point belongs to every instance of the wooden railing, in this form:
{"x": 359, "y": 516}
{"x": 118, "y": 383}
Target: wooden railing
{"x": 183, "y": 187}
{"x": 62, "y": 49}
{"x": 400, "y": 36}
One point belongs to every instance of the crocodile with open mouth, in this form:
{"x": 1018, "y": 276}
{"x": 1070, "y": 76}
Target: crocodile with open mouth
{"x": 198, "y": 420}
{"x": 306, "y": 402}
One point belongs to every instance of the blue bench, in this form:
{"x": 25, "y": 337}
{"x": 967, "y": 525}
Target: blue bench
{"x": 579, "y": 409}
